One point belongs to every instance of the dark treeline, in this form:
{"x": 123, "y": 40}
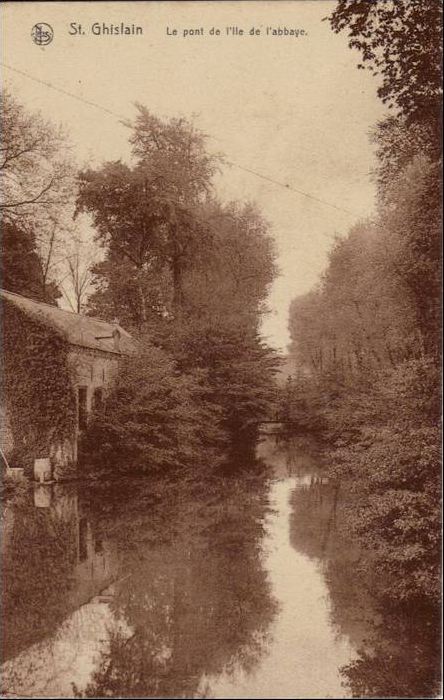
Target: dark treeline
{"x": 366, "y": 341}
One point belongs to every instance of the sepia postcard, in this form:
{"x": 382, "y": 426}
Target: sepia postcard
{"x": 221, "y": 349}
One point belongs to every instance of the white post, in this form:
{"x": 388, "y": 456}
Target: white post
{"x": 42, "y": 469}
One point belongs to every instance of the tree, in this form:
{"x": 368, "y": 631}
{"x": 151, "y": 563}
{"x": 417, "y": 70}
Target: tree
{"x": 236, "y": 257}
{"x": 191, "y": 273}
{"x": 412, "y": 220}
{"x": 240, "y": 371}
{"x": 239, "y": 262}
{"x": 401, "y": 41}
{"x": 117, "y": 293}
{"x": 397, "y": 145}
{"x": 156, "y": 419}
{"x": 21, "y": 268}
{"x": 37, "y": 184}
{"x": 126, "y": 218}
{"x": 75, "y": 269}
{"x": 148, "y": 213}
{"x": 34, "y": 170}
{"x": 364, "y": 314}
{"x": 173, "y": 155}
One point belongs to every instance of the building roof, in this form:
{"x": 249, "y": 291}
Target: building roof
{"x": 83, "y": 331}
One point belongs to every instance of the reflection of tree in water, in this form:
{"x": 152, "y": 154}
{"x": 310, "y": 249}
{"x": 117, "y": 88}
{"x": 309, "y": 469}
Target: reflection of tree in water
{"x": 398, "y": 652}
{"x": 38, "y": 558}
{"x": 54, "y": 562}
{"x": 401, "y": 659}
{"x": 314, "y": 517}
{"x": 290, "y": 455}
{"x": 194, "y": 599}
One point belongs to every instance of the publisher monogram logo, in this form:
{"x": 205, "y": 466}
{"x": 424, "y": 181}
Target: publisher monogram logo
{"x": 42, "y": 34}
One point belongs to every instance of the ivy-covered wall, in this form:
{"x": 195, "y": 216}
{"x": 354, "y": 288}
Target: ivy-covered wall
{"x": 37, "y": 387}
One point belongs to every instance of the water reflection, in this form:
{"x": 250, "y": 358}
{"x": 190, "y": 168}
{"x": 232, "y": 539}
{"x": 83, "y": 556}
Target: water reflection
{"x": 306, "y": 652}
{"x": 126, "y": 590}
{"x": 55, "y": 568}
{"x": 396, "y": 652}
{"x": 230, "y": 589}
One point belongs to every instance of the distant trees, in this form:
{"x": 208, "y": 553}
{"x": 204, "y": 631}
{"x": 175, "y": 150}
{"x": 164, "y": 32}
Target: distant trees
{"x": 81, "y": 253}
{"x": 379, "y": 300}
{"x": 361, "y": 316}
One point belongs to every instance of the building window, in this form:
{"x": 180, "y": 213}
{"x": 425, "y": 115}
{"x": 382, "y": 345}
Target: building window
{"x": 97, "y": 401}
{"x": 82, "y": 407}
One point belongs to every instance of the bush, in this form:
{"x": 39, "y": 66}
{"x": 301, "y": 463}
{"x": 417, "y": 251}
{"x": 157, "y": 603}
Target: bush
{"x": 239, "y": 369}
{"x": 390, "y": 463}
{"x": 154, "y": 419}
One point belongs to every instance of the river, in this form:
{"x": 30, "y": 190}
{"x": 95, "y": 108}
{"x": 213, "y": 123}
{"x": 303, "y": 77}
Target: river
{"x": 238, "y": 589}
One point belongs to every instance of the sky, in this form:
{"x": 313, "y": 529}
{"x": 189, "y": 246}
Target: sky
{"x": 294, "y": 109}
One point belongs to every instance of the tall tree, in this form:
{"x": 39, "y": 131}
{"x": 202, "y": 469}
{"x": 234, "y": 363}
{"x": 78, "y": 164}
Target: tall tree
{"x": 37, "y": 184}
{"x": 239, "y": 263}
{"x": 35, "y": 172}
{"x": 148, "y": 213}
{"x": 399, "y": 40}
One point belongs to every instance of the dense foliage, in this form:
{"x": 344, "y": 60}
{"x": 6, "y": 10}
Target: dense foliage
{"x": 401, "y": 41}
{"x": 239, "y": 368}
{"x": 155, "y": 419}
{"x": 21, "y": 269}
{"x": 383, "y": 635}
{"x": 189, "y": 276}
{"x": 366, "y": 341}
{"x": 36, "y": 386}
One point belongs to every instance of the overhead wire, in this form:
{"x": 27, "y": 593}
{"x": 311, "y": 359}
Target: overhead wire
{"x": 232, "y": 163}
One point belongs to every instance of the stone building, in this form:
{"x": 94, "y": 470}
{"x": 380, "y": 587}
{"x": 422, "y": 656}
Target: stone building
{"x": 94, "y": 349}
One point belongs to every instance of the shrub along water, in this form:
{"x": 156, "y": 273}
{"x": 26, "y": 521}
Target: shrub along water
{"x": 156, "y": 419}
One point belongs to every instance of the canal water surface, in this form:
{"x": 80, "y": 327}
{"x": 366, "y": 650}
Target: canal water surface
{"x": 236, "y": 589}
